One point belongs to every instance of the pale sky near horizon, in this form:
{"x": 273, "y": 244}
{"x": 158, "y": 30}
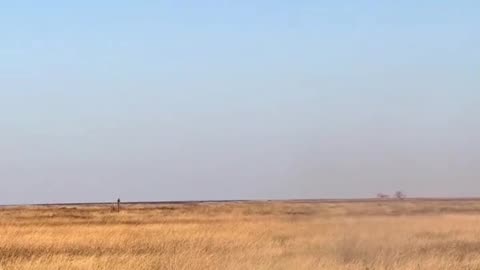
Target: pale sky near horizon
{"x": 189, "y": 100}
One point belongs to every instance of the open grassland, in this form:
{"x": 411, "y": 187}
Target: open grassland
{"x": 248, "y": 235}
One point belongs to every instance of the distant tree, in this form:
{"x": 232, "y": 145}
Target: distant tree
{"x": 382, "y": 196}
{"x": 400, "y": 195}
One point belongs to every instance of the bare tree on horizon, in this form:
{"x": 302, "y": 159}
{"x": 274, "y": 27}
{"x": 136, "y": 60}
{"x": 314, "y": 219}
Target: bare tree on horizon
{"x": 400, "y": 195}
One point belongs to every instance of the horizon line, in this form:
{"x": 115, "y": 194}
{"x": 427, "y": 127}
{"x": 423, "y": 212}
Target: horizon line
{"x": 307, "y": 200}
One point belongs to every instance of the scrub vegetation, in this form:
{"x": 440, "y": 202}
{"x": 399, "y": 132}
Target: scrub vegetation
{"x": 369, "y": 234}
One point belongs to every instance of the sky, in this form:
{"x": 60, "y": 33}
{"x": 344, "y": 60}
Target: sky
{"x": 213, "y": 100}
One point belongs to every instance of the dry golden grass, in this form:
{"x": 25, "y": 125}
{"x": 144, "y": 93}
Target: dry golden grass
{"x": 273, "y": 235}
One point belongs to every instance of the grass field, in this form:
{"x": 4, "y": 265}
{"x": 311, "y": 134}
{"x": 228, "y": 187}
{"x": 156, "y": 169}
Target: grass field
{"x": 248, "y": 235}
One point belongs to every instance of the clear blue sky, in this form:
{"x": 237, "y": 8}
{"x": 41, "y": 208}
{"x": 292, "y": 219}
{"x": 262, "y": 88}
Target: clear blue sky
{"x": 179, "y": 100}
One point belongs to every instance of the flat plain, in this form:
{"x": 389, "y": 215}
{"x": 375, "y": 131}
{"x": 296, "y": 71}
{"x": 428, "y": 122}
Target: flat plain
{"x": 368, "y": 234}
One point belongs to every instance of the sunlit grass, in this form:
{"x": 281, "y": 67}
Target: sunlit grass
{"x": 274, "y": 235}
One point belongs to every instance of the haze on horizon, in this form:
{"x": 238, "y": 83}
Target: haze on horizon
{"x": 160, "y": 100}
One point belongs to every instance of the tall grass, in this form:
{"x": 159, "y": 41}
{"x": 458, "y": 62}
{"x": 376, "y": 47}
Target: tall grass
{"x": 276, "y": 235}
